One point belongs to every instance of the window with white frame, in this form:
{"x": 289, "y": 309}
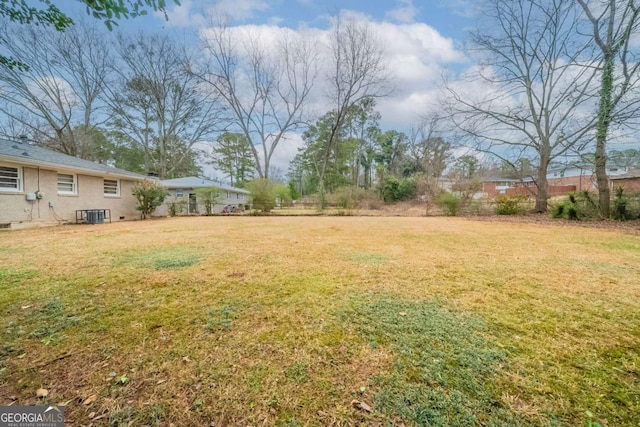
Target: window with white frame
{"x": 67, "y": 184}
{"x": 180, "y": 192}
{"x": 10, "y": 178}
{"x": 228, "y": 195}
{"x": 111, "y": 187}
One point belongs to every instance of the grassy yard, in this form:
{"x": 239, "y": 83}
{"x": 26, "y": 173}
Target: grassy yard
{"x": 318, "y": 321}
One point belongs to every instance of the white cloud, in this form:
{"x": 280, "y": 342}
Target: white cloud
{"x": 416, "y": 53}
{"x": 53, "y": 91}
{"x": 195, "y": 14}
{"x": 405, "y": 12}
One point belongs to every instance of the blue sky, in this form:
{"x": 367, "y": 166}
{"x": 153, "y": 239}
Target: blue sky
{"x": 450, "y": 18}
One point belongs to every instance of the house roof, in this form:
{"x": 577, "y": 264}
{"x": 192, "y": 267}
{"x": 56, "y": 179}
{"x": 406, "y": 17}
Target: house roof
{"x": 633, "y": 173}
{"x": 32, "y": 155}
{"x": 198, "y": 182}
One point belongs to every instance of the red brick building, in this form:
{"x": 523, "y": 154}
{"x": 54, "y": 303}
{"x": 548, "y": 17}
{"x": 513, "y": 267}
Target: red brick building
{"x": 630, "y": 181}
{"x": 560, "y": 181}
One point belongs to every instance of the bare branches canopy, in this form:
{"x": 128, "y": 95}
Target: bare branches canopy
{"x": 533, "y": 85}
{"x": 264, "y": 85}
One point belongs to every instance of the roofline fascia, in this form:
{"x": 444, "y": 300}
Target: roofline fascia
{"x": 57, "y": 166}
{"x": 175, "y": 186}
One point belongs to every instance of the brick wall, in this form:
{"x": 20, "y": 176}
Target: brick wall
{"x": 630, "y": 185}
{"x": 584, "y": 182}
{"x": 14, "y": 208}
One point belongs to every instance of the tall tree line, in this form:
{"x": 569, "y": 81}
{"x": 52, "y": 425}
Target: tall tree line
{"x": 363, "y": 155}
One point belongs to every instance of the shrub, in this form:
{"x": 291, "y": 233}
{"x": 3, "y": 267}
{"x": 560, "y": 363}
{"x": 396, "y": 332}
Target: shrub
{"x": 577, "y": 206}
{"x": 177, "y": 206}
{"x": 293, "y": 191}
{"x": 208, "y": 197}
{"x": 394, "y": 190}
{"x": 150, "y": 195}
{"x": 509, "y": 205}
{"x": 450, "y": 203}
{"x": 620, "y": 202}
{"x": 283, "y": 195}
{"x": 374, "y": 204}
{"x": 262, "y": 194}
{"x": 407, "y": 189}
{"x": 566, "y": 210}
{"x": 349, "y": 197}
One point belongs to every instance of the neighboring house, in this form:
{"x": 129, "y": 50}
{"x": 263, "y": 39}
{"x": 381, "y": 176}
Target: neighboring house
{"x": 491, "y": 187}
{"x": 44, "y": 187}
{"x": 560, "y": 181}
{"x": 629, "y": 181}
{"x": 190, "y": 194}
{"x": 580, "y": 178}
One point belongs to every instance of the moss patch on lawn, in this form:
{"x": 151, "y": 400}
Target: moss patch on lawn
{"x": 161, "y": 259}
{"x": 444, "y": 370}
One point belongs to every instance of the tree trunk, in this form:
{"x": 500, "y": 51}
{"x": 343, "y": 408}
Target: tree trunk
{"x": 602, "y": 129}
{"x": 322, "y": 197}
{"x": 543, "y": 188}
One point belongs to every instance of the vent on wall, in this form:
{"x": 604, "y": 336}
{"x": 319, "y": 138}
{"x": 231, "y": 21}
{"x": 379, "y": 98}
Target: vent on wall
{"x": 5, "y": 225}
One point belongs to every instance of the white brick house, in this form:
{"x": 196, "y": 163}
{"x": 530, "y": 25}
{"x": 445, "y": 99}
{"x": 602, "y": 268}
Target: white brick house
{"x": 189, "y": 190}
{"x": 44, "y": 187}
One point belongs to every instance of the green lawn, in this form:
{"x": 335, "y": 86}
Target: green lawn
{"x": 321, "y": 321}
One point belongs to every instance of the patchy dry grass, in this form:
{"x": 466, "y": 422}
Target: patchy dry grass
{"x": 313, "y": 320}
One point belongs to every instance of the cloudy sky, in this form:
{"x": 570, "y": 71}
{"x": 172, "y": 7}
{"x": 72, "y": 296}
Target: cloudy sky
{"x": 421, "y": 39}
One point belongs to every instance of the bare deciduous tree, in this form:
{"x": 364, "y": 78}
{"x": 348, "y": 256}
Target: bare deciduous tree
{"x": 613, "y": 25}
{"x": 534, "y": 85}
{"x": 265, "y": 87}
{"x": 357, "y": 71}
{"x": 57, "y": 98}
{"x": 159, "y": 105}
{"x": 429, "y": 151}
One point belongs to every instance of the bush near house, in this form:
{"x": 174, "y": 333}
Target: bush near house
{"x": 208, "y": 197}
{"x": 263, "y": 194}
{"x": 149, "y": 195}
{"x": 177, "y": 206}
